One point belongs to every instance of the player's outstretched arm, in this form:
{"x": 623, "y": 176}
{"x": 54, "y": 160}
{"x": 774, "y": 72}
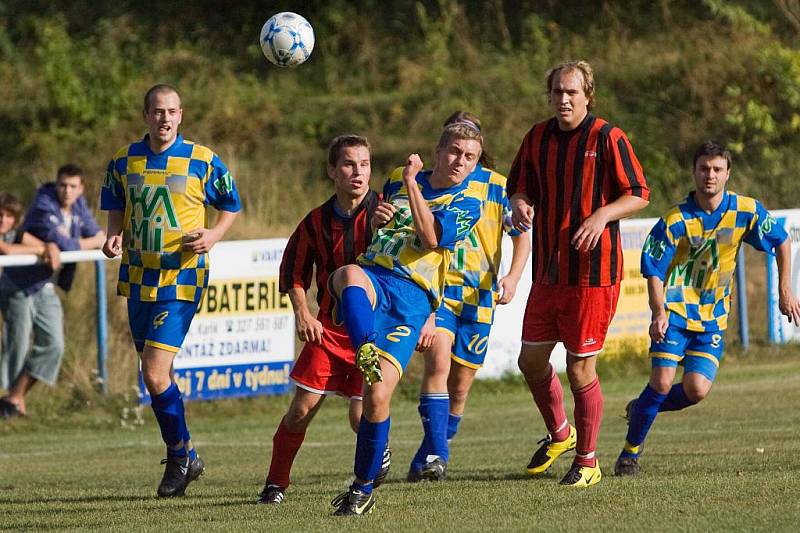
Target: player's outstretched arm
{"x": 308, "y": 328}
{"x": 113, "y": 245}
{"x": 201, "y": 240}
{"x": 507, "y": 287}
{"x": 787, "y": 301}
{"x": 424, "y": 222}
{"x": 659, "y": 321}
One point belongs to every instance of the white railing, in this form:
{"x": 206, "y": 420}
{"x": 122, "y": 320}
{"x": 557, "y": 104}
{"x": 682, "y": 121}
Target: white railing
{"x": 78, "y": 256}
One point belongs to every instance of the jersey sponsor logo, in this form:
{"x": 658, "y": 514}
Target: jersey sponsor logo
{"x": 108, "y": 181}
{"x": 159, "y": 319}
{"x": 655, "y": 248}
{"x": 703, "y": 260}
{"x": 766, "y": 226}
{"x": 152, "y": 214}
{"x": 224, "y": 184}
{"x": 463, "y": 219}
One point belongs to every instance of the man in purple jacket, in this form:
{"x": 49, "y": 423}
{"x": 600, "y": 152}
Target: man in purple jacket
{"x": 28, "y": 300}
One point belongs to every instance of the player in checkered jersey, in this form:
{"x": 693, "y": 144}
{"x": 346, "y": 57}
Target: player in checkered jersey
{"x": 689, "y": 259}
{"x": 458, "y": 344}
{"x": 156, "y": 191}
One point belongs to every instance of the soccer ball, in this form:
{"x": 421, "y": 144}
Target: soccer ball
{"x": 287, "y": 39}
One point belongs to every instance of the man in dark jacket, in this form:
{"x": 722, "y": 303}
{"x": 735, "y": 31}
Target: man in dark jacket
{"x": 28, "y": 299}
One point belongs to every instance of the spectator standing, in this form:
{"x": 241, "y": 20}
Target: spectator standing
{"x": 60, "y": 218}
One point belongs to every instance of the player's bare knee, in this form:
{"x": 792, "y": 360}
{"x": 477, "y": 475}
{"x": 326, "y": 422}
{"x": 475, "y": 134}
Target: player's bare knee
{"x": 534, "y": 362}
{"x": 458, "y": 394}
{"x": 155, "y": 382}
{"x": 660, "y": 384}
{"x": 581, "y": 372}
{"x": 437, "y": 367}
{"x": 530, "y": 367}
{"x": 376, "y": 405}
{"x": 297, "y": 418}
{"x": 696, "y": 392}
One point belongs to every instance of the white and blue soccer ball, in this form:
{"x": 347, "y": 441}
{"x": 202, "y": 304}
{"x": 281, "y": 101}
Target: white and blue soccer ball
{"x": 287, "y": 39}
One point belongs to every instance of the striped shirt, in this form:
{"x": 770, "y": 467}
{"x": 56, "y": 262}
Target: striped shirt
{"x": 568, "y": 175}
{"x": 325, "y": 241}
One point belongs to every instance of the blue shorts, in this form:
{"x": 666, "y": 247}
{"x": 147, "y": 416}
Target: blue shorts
{"x": 470, "y": 339}
{"x": 698, "y": 351}
{"x": 401, "y": 309}
{"x": 160, "y": 324}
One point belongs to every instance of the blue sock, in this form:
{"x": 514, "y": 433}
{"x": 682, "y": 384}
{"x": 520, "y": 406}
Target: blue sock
{"x": 185, "y": 436}
{"x": 434, "y": 409}
{"x": 424, "y": 449}
{"x": 370, "y": 444}
{"x": 642, "y": 416}
{"x": 358, "y": 315}
{"x": 452, "y": 425}
{"x": 676, "y": 399}
{"x": 168, "y": 408}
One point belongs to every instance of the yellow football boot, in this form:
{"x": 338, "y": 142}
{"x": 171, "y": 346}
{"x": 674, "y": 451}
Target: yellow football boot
{"x": 582, "y": 476}
{"x": 549, "y": 451}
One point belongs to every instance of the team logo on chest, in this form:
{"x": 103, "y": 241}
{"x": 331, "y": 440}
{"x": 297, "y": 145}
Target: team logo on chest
{"x": 702, "y": 261}
{"x": 152, "y": 214}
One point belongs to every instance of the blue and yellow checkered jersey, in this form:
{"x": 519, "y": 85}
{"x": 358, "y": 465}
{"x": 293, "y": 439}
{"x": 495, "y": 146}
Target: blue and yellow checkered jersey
{"x": 164, "y": 197}
{"x": 470, "y": 286}
{"x": 397, "y": 247}
{"x": 694, "y": 253}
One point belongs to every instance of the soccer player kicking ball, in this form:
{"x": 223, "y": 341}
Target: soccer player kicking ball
{"x": 385, "y": 301}
{"x": 464, "y": 319}
{"x": 580, "y": 175}
{"x": 688, "y": 260}
{"x": 156, "y": 191}
{"x": 332, "y": 235}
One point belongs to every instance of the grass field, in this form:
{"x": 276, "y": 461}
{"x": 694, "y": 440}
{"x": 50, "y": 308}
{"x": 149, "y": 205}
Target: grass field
{"x": 731, "y": 463}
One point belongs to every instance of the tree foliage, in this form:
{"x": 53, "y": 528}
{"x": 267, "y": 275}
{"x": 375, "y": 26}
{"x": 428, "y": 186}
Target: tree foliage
{"x": 670, "y": 73}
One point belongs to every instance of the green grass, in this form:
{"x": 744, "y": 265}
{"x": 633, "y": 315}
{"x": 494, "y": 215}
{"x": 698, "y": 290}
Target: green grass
{"x": 730, "y": 463}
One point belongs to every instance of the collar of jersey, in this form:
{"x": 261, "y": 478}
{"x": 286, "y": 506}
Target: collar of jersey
{"x": 178, "y": 141}
{"x": 710, "y": 220}
{"x": 423, "y": 180}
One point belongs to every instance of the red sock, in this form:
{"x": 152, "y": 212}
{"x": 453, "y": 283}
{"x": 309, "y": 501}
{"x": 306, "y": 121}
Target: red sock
{"x": 588, "y": 414}
{"x": 549, "y": 397}
{"x": 285, "y": 445}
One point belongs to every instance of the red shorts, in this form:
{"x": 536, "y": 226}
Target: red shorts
{"x": 328, "y": 367}
{"x": 577, "y": 316}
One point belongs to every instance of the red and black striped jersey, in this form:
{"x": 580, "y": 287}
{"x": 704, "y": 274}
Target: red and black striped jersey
{"x": 325, "y": 241}
{"x": 568, "y": 175}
